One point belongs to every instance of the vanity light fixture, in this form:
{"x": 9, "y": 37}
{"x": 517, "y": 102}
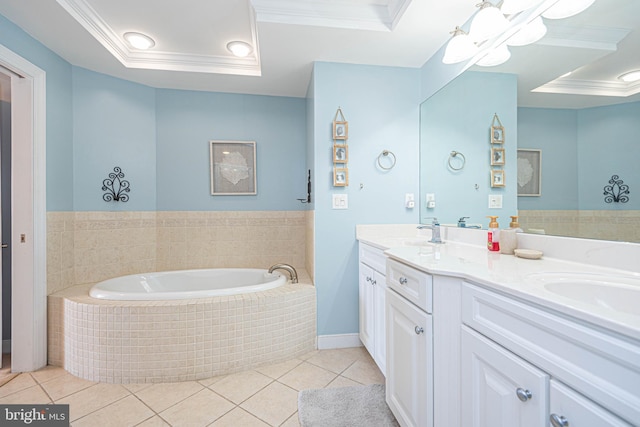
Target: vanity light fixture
{"x": 488, "y": 22}
{"x": 631, "y": 76}
{"x": 497, "y": 56}
{"x": 530, "y": 33}
{"x": 139, "y": 40}
{"x": 239, "y": 49}
{"x": 459, "y": 48}
{"x": 566, "y": 8}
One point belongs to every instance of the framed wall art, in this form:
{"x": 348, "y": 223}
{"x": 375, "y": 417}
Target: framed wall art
{"x": 340, "y": 153}
{"x": 529, "y": 172}
{"x": 497, "y": 130}
{"x": 340, "y": 130}
{"x": 497, "y": 178}
{"x": 497, "y": 156}
{"x": 233, "y": 168}
{"x": 340, "y": 177}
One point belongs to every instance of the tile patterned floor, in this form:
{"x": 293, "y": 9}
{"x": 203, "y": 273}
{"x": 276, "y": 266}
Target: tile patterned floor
{"x": 265, "y": 396}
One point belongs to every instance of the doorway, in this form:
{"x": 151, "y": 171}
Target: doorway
{"x": 5, "y": 215}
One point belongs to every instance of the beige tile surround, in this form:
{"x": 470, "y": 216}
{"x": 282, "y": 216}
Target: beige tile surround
{"x": 618, "y": 225}
{"x": 88, "y": 247}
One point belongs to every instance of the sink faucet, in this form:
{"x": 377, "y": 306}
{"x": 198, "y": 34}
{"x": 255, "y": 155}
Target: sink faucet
{"x": 462, "y": 221}
{"x": 292, "y": 271}
{"x": 435, "y": 230}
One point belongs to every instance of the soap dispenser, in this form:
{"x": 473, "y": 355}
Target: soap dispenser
{"x": 508, "y": 237}
{"x": 493, "y": 236}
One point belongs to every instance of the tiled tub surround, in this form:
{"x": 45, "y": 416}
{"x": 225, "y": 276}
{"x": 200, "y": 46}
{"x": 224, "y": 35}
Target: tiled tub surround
{"x": 88, "y": 247}
{"x": 179, "y": 340}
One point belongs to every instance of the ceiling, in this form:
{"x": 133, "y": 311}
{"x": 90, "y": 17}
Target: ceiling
{"x": 289, "y": 35}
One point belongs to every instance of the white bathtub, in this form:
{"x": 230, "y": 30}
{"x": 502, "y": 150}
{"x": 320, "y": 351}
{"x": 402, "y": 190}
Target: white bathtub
{"x": 187, "y": 284}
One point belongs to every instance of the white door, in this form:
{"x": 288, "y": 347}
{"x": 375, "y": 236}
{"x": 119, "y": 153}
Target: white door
{"x": 409, "y": 383}
{"x": 498, "y": 388}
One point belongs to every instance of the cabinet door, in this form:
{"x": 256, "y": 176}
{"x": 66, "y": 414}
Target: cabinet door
{"x": 409, "y": 383}
{"x": 569, "y": 408}
{"x": 498, "y": 388}
{"x": 366, "y": 315}
{"x": 379, "y": 341}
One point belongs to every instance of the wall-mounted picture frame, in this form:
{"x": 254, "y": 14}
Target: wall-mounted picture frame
{"x": 497, "y": 178}
{"x": 232, "y": 166}
{"x": 340, "y": 153}
{"x": 497, "y": 135}
{"x": 497, "y": 156}
{"x": 340, "y": 177}
{"x": 529, "y": 172}
{"x": 340, "y": 130}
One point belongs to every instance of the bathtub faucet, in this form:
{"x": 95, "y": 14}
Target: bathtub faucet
{"x": 292, "y": 271}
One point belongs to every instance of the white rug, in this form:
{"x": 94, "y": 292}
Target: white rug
{"x": 345, "y": 407}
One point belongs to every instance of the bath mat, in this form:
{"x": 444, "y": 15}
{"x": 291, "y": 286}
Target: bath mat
{"x": 345, "y": 407}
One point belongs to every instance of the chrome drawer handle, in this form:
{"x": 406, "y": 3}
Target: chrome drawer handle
{"x": 418, "y": 330}
{"x": 374, "y": 282}
{"x": 403, "y": 280}
{"x": 368, "y": 279}
{"x": 523, "y": 394}
{"x": 558, "y": 421}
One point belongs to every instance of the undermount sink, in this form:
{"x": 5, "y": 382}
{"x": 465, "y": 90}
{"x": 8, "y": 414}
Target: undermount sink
{"x": 618, "y": 293}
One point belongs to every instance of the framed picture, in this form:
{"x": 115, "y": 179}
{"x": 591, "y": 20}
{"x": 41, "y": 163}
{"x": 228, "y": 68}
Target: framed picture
{"x": 340, "y": 153}
{"x": 340, "y": 177}
{"x": 497, "y": 134}
{"x": 340, "y": 130}
{"x": 497, "y": 157}
{"x": 497, "y": 178}
{"x": 233, "y": 168}
{"x": 529, "y": 172}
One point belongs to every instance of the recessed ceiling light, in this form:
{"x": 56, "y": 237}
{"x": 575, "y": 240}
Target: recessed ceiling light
{"x": 239, "y": 49}
{"x": 139, "y": 41}
{"x": 631, "y": 76}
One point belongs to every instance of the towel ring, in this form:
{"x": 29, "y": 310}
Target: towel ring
{"x": 453, "y": 155}
{"x": 386, "y": 153}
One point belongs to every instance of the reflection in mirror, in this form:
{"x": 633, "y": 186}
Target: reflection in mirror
{"x": 586, "y": 126}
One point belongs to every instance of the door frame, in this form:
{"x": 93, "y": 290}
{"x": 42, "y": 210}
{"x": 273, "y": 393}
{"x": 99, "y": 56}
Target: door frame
{"x": 29, "y": 216}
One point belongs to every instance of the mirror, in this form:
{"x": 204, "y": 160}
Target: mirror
{"x": 584, "y": 139}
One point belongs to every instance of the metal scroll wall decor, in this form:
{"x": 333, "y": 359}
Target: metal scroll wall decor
{"x": 340, "y": 150}
{"x": 115, "y": 187}
{"x": 616, "y": 191}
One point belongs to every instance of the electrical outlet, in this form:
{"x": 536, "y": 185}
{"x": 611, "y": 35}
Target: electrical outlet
{"x": 495, "y": 201}
{"x": 409, "y": 201}
{"x": 431, "y": 200}
{"x": 340, "y": 201}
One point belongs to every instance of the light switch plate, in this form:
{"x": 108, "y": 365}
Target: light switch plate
{"x": 495, "y": 201}
{"x": 340, "y": 201}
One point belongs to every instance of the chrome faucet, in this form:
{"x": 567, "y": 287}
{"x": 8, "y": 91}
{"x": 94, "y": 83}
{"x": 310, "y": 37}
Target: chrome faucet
{"x": 292, "y": 271}
{"x": 435, "y": 230}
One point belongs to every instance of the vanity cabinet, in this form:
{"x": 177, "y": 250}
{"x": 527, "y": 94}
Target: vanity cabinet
{"x": 371, "y": 288}
{"x": 409, "y": 384}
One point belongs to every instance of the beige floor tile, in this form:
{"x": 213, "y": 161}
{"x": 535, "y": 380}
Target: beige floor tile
{"x": 209, "y": 381}
{"x": 64, "y": 385}
{"x": 135, "y": 388}
{"x": 93, "y": 398}
{"x": 163, "y": 395}
{"x": 334, "y": 360}
{"x": 365, "y": 372}
{"x": 31, "y": 395}
{"x": 48, "y": 373}
{"x": 277, "y": 370}
{"x": 125, "y": 412}
{"x": 273, "y": 404}
{"x": 201, "y": 409}
{"x": 239, "y": 417}
{"x": 241, "y": 386}
{"x": 308, "y": 355}
{"x": 293, "y": 421}
{"x": 153, "y": 422}
{"x": 306, "y": 375}
{"x": 20, "y": 382}
{"x": 341, "y": 381}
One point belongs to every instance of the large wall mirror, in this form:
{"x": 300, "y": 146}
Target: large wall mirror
{"x": 585, "y": 126}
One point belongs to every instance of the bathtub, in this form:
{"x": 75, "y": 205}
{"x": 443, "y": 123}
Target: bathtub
{"x": 187, "y": 284}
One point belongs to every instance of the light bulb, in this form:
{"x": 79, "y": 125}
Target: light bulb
{"x": 487, "y": 23}
{"x": 459, "y": 48}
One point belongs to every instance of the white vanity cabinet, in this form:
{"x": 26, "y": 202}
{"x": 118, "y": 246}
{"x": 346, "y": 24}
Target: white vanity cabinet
{"x": 409, "y": 384}
{"x": 371, "y": 287}
{"x": 525, "y": 366}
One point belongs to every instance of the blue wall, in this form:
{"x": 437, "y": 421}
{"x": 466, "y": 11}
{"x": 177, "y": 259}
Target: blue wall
{"x": 458, "y": 118}
{"x": 59, "y": 112}
{"x": 381, "y": 106}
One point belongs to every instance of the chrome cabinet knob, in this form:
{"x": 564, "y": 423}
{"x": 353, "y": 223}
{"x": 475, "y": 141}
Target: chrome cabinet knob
{"x": 558, "y": 420}
{"x": 374, "y": 282}
{"x": 403, "y": 280}
{"x": 368, "y": 279}
{"x": 419, "y": 330}
{"x": 523, "y": 394}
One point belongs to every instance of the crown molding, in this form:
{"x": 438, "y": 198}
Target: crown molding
{"x": 590, "y": 87}
{"x": 87, "y": 16}
{"x": 585, "y": 37}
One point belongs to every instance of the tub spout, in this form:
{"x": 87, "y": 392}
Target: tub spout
{"x": 292, "y": 271}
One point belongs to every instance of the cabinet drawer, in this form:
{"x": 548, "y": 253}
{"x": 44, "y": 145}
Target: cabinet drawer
{"x": 373, "y": 257}
{"x": 600, "y": 365}
{"x": 414, "y": 285}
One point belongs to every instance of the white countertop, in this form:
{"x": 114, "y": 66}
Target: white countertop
{"x": 511, "y": 275}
